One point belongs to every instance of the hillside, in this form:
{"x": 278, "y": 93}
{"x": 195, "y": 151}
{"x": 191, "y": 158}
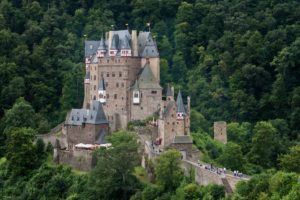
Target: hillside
{"x": 238, "y": 60}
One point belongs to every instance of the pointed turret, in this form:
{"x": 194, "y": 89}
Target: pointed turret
{"x": 101, "y": 49}
{"x": 180, "y": 107}
{"x": 136, "y": 93}
{"x": 169, "y": 93}
{"x": 102, "y": 91}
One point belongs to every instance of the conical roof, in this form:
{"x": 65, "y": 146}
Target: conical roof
{"x": 169, "y": 91}
{"x": 179, "y": 103}
{"x": 102, "y": 84}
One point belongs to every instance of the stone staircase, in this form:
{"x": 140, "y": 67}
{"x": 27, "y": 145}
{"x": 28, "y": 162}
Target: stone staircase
{"x": 227, "y": 186}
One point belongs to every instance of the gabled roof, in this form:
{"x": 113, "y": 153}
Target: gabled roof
{"x": 179, "y": 103}
{"x": 115, "y": 42}
{"x": 102, "y": 84}
{"x": 147, "y": 80}
{"x": 125, "y": 43}
{"x": 95, "y": 115}
{"x": 90, "y": 47}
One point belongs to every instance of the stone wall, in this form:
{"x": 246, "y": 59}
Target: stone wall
{"x": 78, "y": 159}
{"x": 150, "y": 103}
{"x": 204, "y": 176}
{"x": 83, "y": 134}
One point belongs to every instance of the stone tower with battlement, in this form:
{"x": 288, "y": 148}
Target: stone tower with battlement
{"x": 123, "y": 73}
{"x": 220, "y": 132}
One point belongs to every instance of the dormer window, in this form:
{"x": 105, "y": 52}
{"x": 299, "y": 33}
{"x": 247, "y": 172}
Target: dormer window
{"x": 91, "y": 46}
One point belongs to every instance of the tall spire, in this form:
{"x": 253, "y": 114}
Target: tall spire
{"x": 179, "y": 102}
{"x": 169, "y": 92}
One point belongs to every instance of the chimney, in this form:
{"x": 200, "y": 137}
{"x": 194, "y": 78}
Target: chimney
{"x": 134, "y": 43}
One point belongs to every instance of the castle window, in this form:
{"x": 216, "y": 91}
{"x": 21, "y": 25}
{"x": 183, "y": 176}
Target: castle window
{"x": 94, "y": 97}
{"x": 172, "y": 130}
{"x": 106, "y": 84}
{"x": 122, "y": 98}
{"x": 113, "y": 74}
{"x": 102, "y": 74}
{"x": 107, "y": 60}
{"x": 120, "y": 74}
{"x": 107, "y": 75}
{"x": 122, "y": 84}
{"x": 153, "y": 92}
{"x": 141, "y": 95}
{"x": 117, "y": 84}
{"x": 107, "y": 96}
{"x": 116, "y": 105}
{"x": 95, "y": 87}
{"x": 94, "y": 77}
{"x": 142, "y": 108}
{"x": 173, "y": 123}
{"x": 172, "y": 115}
{"x": 115, "y": 96}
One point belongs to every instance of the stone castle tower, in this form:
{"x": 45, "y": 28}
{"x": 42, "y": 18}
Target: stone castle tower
{"x": 220, "y": 132}
{"x": 123, "y": 73}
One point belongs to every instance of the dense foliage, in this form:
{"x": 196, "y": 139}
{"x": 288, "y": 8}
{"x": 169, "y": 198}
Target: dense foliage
{"x": 238, "y": 60}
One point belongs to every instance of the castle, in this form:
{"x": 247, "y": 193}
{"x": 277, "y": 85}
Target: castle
{"x": 122, "y": 84}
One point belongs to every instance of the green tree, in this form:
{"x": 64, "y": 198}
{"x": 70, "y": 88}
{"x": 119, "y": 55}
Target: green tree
{"x": 112, "y": 177}
{"x": 167, "y": 170}
{"x": 20, "y": 115}
{"x": 262, "y": 144}
{"x": 232, "y": 157}
{"x": 20, "y": 150}
{"x": 291, "y": 161}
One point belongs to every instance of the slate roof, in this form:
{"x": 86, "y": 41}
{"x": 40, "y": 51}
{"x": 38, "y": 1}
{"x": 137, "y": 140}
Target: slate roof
{"x": 168, "y": 108}
{"x": 147, "y": 46}
{"x": 94, "y": 59}
{"x": 179, "y": 103}
{"x": 115, "y": 42}
{"x": 147, "y": 80}
{"x": 95, "y": 115}
{"x": 102, "y": 84}
{"x": 182, "y": 139}
{"x": 125, "y": 43}
{"x": 101, "y": 137}
{"x": 169, "y": 91}
{"x": 136, "y": 85}
{"x": 90, "y": 47}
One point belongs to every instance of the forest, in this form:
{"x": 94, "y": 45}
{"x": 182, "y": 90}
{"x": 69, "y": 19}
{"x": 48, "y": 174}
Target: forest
{"x": 238, "y": 60}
